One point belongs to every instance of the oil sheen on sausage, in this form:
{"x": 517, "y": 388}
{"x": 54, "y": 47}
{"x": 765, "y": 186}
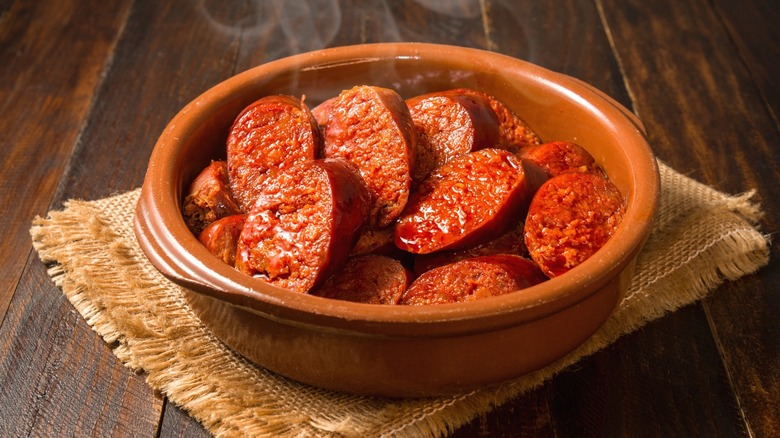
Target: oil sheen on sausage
{"x": 512, "y": 129}
{"x": 221, "y": 237}
{"x": 473, "y": 279}
{"x": 448, "y": 124}
{"x": 510, "y": 242}
{"x": 208, "y": 198}
{"x": 372, "y": 128}
{"x": 371, "y": 279}
{"x": 270, "y": 135}
{"x": 467, "y": 201}
{"x": 561, "y": 157}
{"x": 304, "y": 224}
{"x": 571, "y": 217}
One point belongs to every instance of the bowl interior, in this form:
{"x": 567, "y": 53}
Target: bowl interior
{"x": 555, "y": 106}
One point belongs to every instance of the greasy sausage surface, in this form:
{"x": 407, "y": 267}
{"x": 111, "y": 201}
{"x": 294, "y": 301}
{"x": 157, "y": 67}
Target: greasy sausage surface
{"x": 304, "y": 224}
{"x": 372, "y": 279}
{"x": 513, "y": 130}
{"x": 270, "y": 135}
{"x": 372, "y": 128}
{"x": 561, "y": 157}
{"x": 221, "y": 237}
{"x": 208, "y": 198}
{"x": 378, "y": 241}
{"x": 321, "y": 113}
{"x": 473, "y": 279}
{"x": 467, "y": 201}
{"x": 571, "y": 217}
{"x": 510, "y": 242}
{"x": 448, "y": 124}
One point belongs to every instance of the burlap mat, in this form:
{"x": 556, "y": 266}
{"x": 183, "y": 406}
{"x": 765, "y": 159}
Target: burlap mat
{"x": 702, "y": 238}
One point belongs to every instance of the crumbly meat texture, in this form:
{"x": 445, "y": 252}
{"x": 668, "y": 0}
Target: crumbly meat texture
{"x": 473, "y": 279}
{"x": 371, "y": 127}
{"x": 270, "y": 136}
{"x": 209, "y": 198}
{"x": 570, "y": 218}
{"x": 460, "y": 198}
{"x": 371, "y": 279}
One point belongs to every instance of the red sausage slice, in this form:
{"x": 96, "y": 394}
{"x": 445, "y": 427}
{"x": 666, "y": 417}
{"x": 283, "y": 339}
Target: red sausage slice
{"x": 448, "y": 124}
{"x": 304, "y": 224}
{"x": 473, "y": 279}
{"x": 511, "y": 242}
{"x": 209, "y": 198}
{"x": 561, "y": 157}
{"x": 375, "y": 242}
{"x": 571, "y": 216}
{"x": 372, "y": 128}
{"x": 512, "y": 129}
{"x": 372, "y": 279}
{"x": 221, "y": 237}
{"x": 321, "y": 113}
{"x": 465, "y": 202}
{"x": 270, "y": 135}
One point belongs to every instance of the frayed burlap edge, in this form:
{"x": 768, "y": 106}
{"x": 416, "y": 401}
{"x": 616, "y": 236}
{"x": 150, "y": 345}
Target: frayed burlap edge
{"x": 702, "y": 238}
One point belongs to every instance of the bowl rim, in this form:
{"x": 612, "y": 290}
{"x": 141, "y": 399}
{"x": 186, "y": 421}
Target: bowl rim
{"x": 178, "y": 255}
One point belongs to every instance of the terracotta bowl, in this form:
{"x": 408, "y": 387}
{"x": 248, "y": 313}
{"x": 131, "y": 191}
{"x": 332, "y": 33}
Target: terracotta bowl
{"x": 401, "y": 350}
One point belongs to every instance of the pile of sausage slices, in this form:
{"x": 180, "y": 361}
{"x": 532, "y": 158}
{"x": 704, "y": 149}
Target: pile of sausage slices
{"x": 444, "y": 197}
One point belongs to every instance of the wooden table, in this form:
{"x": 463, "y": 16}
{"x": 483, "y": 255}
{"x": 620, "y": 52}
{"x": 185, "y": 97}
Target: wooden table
{"x": 86, "y": 86}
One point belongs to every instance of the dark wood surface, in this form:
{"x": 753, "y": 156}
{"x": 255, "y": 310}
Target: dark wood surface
{"x": 86, "y": 86}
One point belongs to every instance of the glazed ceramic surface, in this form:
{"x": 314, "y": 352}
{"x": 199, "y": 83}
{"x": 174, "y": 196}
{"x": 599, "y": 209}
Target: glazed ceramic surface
{"x": 401, "y": 350}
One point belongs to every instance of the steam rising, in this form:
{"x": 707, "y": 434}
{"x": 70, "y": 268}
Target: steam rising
{"x": 306, "y": 25}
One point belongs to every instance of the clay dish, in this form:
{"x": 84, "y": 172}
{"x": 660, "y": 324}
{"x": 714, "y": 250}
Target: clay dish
{"x": 401, "y": 350}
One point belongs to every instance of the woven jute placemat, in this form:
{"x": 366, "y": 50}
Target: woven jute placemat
{"x": 701, "y": 238}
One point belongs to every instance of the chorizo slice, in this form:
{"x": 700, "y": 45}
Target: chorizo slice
{"x": 304, "y": 224}
{"x": 561, "y": 157}
{"x": 270, "y": 135}
{"x": 208, "y": 198}
{"x": 512, "y": 129}
{"x": 511, "y": 242}
{"x": 448, "y": 124}
{"x": 321, "y": 113}
{"x": 221, "y": 237}
{"x": 473, "y": 279}
{"x": 372, "y": 128}
{"x": 470, "y": 199}
{"x": 571, "y": 216}
{"x": 378, "y": 241}
{"x": 371, "y": 279}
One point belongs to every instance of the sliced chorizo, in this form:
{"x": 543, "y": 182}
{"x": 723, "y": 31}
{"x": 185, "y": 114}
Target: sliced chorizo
{"x": 571, "y": 216}
{"x": 371, "y": 279}
{"x": 208, "y": 198}
{"x": 473, "y": 279}
{"x": 321, "y": 113}
{"x": 467, "y": 201}
{"x": 221, "y": 237}
{"x": 561, "y": 157}
{"x": 304, "y": 224}
{"x": 448, "y": 124}
{"x": 379, "y": 241}
{"x": 372, "y": 128}
{"x": 510, "y": 242}
{"x": 512, "y": 129}
{"x": 270, "y": 135}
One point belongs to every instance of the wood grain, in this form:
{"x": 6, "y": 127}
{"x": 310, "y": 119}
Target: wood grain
{"x": 152, "y": 75}
{"x": 48, "y": 85}
{"x": 59, "y": 378}
{"x": 753, "y": 28}
{"x": 707, "y": 118}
